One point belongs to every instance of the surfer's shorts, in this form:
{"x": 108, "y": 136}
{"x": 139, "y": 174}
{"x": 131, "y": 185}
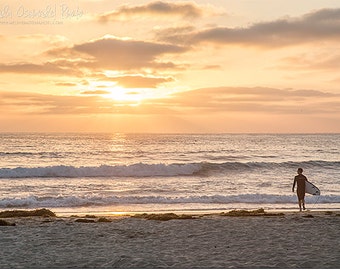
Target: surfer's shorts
{"x": 301, "y": 194}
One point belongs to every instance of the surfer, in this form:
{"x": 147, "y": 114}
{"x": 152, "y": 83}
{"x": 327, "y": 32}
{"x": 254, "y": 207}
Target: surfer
{"x": 300, "y": 180}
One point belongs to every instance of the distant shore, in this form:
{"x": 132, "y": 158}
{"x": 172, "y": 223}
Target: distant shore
{"x": 235, "y": 239}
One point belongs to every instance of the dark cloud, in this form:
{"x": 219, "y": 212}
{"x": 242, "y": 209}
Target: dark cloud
{"x": 108, "y": 53}
{"x": 321, "y": 25}
{"x": 125, "y": 54}
{"x": 161, "y": 8}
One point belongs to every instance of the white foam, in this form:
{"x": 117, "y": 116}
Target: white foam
{"x": 77, "y": 201}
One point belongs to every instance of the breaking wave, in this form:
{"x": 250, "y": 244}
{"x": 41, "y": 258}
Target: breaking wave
{"x": 81, "y": 201}
{"x": 138, "y": 170}
{"x": 149, "y": 170}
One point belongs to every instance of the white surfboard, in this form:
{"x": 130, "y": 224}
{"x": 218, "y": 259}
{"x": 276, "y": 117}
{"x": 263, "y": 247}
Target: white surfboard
{"x": 312, "y": 189}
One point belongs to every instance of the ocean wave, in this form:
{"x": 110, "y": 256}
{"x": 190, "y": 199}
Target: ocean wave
{"x": 31, "y": 154}
{"x": 86, "y": 201}
{"x": 134, "y": 170}
{"x": 161, "y": 169}
{"x": 237, "y": 167}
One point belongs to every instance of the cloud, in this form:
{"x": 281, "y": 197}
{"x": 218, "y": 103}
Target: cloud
{"x": 175, "y": 35}
{"x": 312, "y": 62}
{"x": 107, "y": 53}
{"x": 157, "y": 8}
{"x": 30, "y": 68}
{"x": 50, "y": 47}
{"x": 21, "y": 103}
{"x": 124, "y": 54}
{"x": 65, "y": 84}
{"x": 34, "y": 103}
{"x": 207, "y": 101}
{"x": 321, "y": 25}
{"x": 139, "y": 81}
{"x": 54, "y": 67}
{"x": 257, "y": 99}
{"x": 110, "y": 52}
{"x": 96, "y": 92}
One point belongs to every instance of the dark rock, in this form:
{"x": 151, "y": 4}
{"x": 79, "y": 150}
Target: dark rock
{"x": 90, "y": 216}
{"x": 6, "y": 223}
{"x": 163, "y": 217}
{"x": 84, "y": 220}
{"x": 23, "y": 213}
{"x": 308, "y": 216}
{"x": 246, "y": 213}
{"x": 103, "y": 219}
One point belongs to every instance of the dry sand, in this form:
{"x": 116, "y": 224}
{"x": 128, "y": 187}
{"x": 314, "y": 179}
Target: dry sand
{"x": 295, "y": 240}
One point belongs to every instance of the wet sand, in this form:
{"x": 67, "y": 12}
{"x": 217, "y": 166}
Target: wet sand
{"x": 292, "y": 240}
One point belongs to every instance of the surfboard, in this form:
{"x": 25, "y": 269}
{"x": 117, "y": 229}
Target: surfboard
{"x": 312, "y": 189}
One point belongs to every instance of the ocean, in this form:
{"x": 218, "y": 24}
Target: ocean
{"x": 128, "y": 173}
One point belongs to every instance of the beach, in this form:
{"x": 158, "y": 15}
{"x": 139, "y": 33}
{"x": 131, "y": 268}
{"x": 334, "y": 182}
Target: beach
{"x": 284, "y": 240}
{"x": 99, "y": 185}
{"x": 161, "y": 134}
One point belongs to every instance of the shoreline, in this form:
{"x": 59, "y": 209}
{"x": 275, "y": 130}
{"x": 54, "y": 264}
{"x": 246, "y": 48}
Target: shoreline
{"x": 127, "y": 214}
{"x": 108, "y": 212}
{"x": 136, "y": 208}
{"x": 105, "y": 212}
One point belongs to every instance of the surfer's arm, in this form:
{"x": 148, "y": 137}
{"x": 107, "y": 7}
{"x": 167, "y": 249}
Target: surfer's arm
{"x": 294, "y": 184}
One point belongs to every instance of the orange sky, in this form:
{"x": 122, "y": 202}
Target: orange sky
{"x": 170, "y": 66}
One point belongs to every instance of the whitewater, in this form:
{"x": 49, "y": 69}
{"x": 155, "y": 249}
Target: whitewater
{"x": 80, "y": 173}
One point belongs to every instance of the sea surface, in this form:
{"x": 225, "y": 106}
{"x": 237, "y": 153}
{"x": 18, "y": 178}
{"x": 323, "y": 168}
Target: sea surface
{"x": 118, "y": 173}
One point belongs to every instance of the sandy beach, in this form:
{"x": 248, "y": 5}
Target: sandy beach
{"x": 292, "y": 240}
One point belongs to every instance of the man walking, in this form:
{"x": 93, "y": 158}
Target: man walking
{"x": 300, "y": 180}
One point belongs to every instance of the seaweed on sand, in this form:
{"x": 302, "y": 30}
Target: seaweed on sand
{"x": 246, "y": 213}
{"x": 163, "y": 217}
{"x": 27, "y": 213}
{"x": 85, "y": 220}
{"x": 6, "y": 223}
{"x": 104, "y": 219}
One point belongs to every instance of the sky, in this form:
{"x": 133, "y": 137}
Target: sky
{"x": 223, "y": 66}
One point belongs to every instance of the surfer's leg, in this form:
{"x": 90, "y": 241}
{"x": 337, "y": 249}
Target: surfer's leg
{"x": 300, "y": 205}
{"x": 301, "y": 198}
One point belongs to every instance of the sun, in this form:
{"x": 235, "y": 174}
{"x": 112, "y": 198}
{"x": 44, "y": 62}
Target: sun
{"x": 130, "y": 96}
{"x": 126, "y": 95}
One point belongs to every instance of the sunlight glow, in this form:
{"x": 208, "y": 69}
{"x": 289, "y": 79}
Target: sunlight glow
{"x": 126, "y": 95}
